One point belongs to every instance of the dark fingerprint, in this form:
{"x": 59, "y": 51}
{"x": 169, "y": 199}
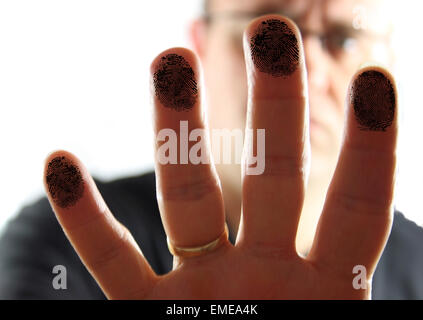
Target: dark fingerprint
{"x": 274, "y": 48}
{"x": 175, "y": 84}
{"x": 373, "y": 99}
{"x": 64, "y": 181}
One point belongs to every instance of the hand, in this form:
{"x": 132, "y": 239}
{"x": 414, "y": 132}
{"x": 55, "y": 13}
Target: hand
{"x": 263, "y": 264}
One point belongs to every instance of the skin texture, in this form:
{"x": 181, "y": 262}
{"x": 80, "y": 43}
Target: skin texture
{"x": 373, "y": 99}
{"x": 175, "y": 83}
{"x": 264, "y": 263}
{"x": 274, "y": 48}
{"x": 64, "y": 182}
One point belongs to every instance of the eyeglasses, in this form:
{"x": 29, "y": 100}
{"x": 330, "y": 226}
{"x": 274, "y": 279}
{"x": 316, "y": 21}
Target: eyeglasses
{"x": 344, "y": 44}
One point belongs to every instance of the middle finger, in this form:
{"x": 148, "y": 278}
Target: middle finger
{"x": 277, "y": 102}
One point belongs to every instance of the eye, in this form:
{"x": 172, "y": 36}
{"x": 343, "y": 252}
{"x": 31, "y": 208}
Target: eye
{"x": 341, "y": 43}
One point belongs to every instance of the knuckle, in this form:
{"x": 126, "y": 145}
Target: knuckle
{"x": 111, "y": 251}
{"x": 375, "y": 152}
{"x": 189, "y": 191}
{"x": 284, "y": 166}
{"x": 353, "y": 203}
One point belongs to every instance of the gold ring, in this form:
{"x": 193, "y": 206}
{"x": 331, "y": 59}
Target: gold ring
{"x": 196, "y": 251}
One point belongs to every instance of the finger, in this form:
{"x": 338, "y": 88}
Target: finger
{"x": 277, "y": 103}
{"x": 188, "y": 189}
{"x": 104, "y": 245}
{"x": 357, "y": 215}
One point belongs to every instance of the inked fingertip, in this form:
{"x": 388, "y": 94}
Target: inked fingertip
{"x": 175, "y": 79}
{"x": 373, "y": 96}
{"x": 63, "y": 179}
{"x": 275, "y": 44}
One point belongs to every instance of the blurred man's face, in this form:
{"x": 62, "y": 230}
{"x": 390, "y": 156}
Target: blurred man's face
{"x": 338, "y": 36}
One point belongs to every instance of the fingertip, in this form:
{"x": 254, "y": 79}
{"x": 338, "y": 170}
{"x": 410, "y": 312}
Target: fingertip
{"x": 63, "y": 178}
{"x": 376, "y": 67}
{"x": 58, "y": 153}
{"x": 186, "y": 53}
{"x": 273, "y": 44}
{"x": 254, "y": 24}
{"x": 373, "y": 98}
{"x": 175, "y": 77}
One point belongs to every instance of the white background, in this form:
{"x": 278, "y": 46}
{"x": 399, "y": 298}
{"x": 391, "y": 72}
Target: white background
{"x": 74, "y": 75}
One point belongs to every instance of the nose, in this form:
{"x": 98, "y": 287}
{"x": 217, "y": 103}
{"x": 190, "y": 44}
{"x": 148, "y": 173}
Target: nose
{"x": 317, "y": 63}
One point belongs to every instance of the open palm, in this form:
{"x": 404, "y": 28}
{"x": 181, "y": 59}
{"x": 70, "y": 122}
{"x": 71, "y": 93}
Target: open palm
{"x": 263, "y": 263}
